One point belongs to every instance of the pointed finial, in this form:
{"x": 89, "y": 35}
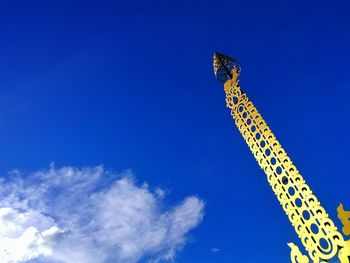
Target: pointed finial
{"x": 223, "y": 66}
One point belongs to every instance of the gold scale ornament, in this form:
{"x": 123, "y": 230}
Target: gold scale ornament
{"x": 316, "y": 230}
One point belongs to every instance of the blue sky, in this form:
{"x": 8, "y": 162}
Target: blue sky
{"x": 129, "y": 85}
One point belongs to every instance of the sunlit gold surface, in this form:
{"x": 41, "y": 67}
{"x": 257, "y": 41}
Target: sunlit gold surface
{"x": 296, "y": 256}
{"x": 316, "y": 230}
{"x": 344, "y": 252}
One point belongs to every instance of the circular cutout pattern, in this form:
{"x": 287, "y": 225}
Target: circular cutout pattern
{"x": 262, "y": 144}
{"x": 301, "y": 206}
{"x": 306, "y": 215}
{"x": 324, "y": 244}
{"x": 298, "y": 202}
{"x": 273, "y": 161}
{"x": 291, "y": 191}
{"x": 278, "y": 170}
{"x": 285, "y": 180}
{"x": 314, "y": 228}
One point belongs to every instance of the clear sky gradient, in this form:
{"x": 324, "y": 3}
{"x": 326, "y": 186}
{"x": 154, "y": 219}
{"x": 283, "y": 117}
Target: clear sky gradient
{"x": 130, "y": 85}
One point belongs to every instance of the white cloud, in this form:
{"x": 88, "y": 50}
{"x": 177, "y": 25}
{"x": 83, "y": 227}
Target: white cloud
{"x": 215, "y": 250}
{"x": 90, "y": 215}
{"x": 20, "y": 240}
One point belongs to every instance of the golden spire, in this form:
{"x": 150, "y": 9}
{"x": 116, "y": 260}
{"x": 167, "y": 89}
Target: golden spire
{"x": 317, "y": 232}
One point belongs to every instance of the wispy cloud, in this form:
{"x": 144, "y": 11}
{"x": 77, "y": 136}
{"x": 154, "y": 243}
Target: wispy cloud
{"x": 90, "y": 215}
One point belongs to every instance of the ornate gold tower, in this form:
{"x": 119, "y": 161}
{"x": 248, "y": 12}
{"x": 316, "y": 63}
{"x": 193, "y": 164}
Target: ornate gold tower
{"x": 316, "y": 230}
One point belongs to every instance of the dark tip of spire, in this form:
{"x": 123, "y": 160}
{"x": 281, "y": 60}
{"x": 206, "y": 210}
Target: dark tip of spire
{"x": 223, "y": 66}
